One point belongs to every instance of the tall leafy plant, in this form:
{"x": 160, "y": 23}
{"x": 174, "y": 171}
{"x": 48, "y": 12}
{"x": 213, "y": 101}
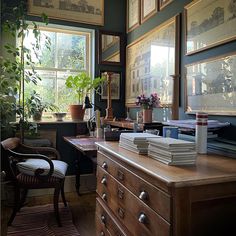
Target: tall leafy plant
{"x": 13, "y": 74}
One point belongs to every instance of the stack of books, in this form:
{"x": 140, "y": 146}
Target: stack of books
{"x": 172, "y": 151}
{"x": 136, "y": 142}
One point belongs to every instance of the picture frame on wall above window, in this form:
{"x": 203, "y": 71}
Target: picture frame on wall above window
{"x": 151, "y": 62}
{"x": 133, "y": 14}
{"x": 115, "y": 85}
{"x": 164, "y": 3}
{"x": 148, "y": 9}
{"x": 87, "y": 12}
{"x": 209, "y": 23}
{"x": 209, "y": 81}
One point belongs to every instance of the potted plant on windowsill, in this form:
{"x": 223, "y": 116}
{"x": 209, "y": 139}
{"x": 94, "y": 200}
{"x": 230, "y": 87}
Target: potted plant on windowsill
{"x": 35, "y": 106}
{"x": 80, "y": 85}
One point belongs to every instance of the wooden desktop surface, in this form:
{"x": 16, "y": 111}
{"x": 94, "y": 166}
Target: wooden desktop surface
{"x": 83, "y": 144}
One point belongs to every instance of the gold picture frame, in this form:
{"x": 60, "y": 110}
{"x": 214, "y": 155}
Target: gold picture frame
{"x": 148, "y": 9}
{"x": 164, "y": 3}
{"x": 209, "y": 23}
{"x": 152, "y": 63}
{"x": 210, "y": 86}
{"x": 88, "y": 12}
{"x": 133, "y": 15}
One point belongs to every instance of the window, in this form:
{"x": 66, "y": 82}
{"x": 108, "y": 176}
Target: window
{"x": 70, "y": 54}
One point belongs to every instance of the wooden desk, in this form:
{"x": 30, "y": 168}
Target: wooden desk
{"x": 86, "y": 147}
{"x": 138, "y": 195}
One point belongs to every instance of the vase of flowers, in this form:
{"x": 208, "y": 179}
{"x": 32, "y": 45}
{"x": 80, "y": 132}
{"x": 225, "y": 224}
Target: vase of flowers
{"x": 147, "y": 104}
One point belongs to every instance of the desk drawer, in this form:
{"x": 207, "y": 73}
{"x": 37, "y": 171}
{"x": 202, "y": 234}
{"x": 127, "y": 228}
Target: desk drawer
{"x": 155, "y": 198}
{"x": 106, "y": 221}
{"x": 100, "y": 228}
{"x": 131, "y": 211}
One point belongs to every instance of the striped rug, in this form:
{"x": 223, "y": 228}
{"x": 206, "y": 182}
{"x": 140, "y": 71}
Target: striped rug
{"x": 40, "y": 221}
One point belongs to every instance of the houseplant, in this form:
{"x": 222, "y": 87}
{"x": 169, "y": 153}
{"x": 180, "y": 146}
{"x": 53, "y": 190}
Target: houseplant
{"x": 12, "y": 65}
{"x": 35, "y": 106}
{"x": 80, "y": 85}
{"x": 147, "y": 104}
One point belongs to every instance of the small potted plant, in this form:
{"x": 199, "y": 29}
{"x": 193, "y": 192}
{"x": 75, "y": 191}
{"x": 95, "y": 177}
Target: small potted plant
{"x": 35, "y": 106}
{"x": 80, "y": 85}
{"x": 147, "y": 104}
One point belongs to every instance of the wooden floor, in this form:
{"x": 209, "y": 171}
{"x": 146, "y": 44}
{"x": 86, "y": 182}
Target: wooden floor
{"x": 82, "y": 208}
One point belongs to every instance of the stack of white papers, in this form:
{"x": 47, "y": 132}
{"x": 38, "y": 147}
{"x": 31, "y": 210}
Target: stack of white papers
{"x": 172, "y": 151}
{"x": 136, "y": 142}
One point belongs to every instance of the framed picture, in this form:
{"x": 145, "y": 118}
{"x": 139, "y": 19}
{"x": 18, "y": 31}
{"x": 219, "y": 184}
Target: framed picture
{"x": 133, "y": 14}
{"x": 151, "y": 61}
{"x": 115, "y": 86}
{"x": 164, "y": 3}
{"x": 88, "y": 12}
{"x": 148, "y": 9}
{"x": 110, "y": 47}
{"x": 211, "y": 86}
{"x": 209, "y": 23}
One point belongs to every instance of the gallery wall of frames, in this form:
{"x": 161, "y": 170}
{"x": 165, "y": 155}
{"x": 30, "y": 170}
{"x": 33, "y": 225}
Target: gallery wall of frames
{"x": 205, "y": 65}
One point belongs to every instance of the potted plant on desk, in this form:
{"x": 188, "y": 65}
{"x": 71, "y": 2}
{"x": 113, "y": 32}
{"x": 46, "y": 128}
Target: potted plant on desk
{"x": 80, "y": 85}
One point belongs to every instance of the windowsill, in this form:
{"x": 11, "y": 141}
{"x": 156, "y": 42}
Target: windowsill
{"x": 52, "y": 121}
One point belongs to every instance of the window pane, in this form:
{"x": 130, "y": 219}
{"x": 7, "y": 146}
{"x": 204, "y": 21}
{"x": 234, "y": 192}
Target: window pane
{"x": 44, "y": 55}
{"x": 45, "y": 87}
{"x": 71, "y": 51}
{"x": 65, "y": 97}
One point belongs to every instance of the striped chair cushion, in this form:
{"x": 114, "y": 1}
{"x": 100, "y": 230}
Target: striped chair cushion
{"x": 32, "y": 180}
{"x": 29, "y": 167}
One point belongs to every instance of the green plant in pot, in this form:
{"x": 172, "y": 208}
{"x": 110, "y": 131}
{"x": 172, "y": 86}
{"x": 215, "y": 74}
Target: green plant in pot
{"x": 35, "y": 106}
{"x": 14, "y": 57}
{"x": 80, "y": 85}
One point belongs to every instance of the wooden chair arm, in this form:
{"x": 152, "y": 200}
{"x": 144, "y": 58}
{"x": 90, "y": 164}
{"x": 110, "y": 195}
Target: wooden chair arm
{"x": 38, "y": 172}
{"x": 41, "y": 150}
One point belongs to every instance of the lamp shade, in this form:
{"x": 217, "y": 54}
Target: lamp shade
{"x": 87, "y": 103}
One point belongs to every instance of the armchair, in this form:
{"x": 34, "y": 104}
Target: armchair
{"x": 28, "y": 168}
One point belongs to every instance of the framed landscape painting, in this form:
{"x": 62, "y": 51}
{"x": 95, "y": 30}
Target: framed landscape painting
{"x": 211, "y": 86}
{"x": 88, "y": 12}
{"x": 148, "y": 9}
{"x": 151, "y": 62}
{"x": 133, "y": 14}
{"x": 209, "y": 23}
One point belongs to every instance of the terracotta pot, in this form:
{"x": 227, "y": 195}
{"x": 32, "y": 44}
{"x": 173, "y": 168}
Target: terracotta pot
{"x": 77, "y": 112}
{"x": 147, "y": 115}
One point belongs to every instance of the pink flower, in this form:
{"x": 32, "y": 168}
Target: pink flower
{"x": 148, "y": 102}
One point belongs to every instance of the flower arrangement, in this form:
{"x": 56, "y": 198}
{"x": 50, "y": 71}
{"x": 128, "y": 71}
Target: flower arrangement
{"x": 148, "y": 102}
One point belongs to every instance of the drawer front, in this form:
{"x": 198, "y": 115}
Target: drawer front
{"x": 100, "y": 228}
{"x": 156, "y": 199}
{"x": 107, "y": 222}
{"x": 131, "y": 211}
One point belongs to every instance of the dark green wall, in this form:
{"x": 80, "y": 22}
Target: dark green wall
{"x": 177, "y": 7}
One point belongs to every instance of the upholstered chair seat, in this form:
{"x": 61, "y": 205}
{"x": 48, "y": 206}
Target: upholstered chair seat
{"x": 33, "y": 168}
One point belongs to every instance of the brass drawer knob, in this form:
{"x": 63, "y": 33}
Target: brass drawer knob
{"x": 103, "y": 219}
{"x": 104, "y": 197}
{"x": 102, "y": 233}
{"x": 143, "y": 218}
{"x": 104, "y": 180}
{"x": 104, "y": 165}
{"x": 143, "y": 195}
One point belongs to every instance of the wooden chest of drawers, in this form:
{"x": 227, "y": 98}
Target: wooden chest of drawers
{"x": 141, "y": 197}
